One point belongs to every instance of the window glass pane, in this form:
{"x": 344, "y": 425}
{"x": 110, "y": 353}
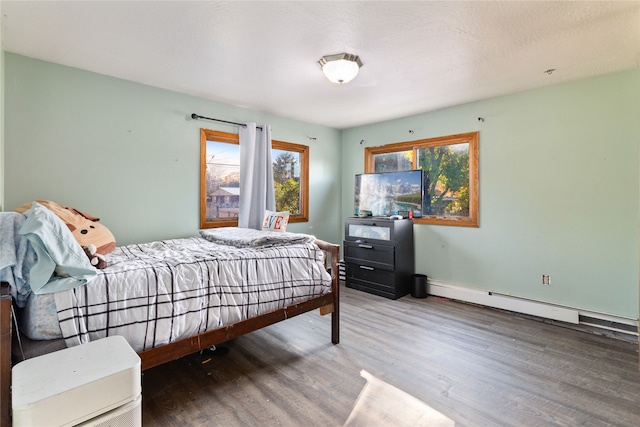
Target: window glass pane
{"x": 393, "y": 162}
{"x": 286, "y": 180}
{"x": 222, "y": 180}
{"x": 446, "y": 179}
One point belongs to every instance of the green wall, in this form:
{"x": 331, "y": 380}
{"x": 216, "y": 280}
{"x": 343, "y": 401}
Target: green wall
{"x": 558, "y": 174}
{"x": 558, "y": 193}
{"x": 129, "y": 153}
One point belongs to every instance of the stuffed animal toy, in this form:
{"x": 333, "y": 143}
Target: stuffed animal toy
{"x": 96, "y": 259}
{"x": 85, "y": 228}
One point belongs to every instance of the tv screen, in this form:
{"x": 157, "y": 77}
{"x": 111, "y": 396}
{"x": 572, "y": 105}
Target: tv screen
{"x": 387, "y": 193}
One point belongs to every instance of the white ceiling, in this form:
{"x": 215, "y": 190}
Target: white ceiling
{"x": 418, "y": 55}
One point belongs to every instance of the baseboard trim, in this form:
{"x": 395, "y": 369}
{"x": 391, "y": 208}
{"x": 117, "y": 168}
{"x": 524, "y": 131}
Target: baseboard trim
{"x": 600, "y": 323}
{"x": 504, "y": 302}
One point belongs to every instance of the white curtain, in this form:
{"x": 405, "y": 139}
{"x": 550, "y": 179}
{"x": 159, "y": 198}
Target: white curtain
{"x": 256, "y": 175}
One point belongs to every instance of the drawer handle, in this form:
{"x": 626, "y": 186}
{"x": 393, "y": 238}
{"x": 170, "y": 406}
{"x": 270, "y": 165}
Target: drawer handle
{"x": 365, "y": 267}
{"x": 365, "y": 246}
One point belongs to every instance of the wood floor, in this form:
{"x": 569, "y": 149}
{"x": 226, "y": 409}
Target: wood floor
{"x": 477, "y": 366}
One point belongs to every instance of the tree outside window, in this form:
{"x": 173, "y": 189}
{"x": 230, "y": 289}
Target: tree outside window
{"x": 286, "y": 181}
{"x": 446, "y": 180}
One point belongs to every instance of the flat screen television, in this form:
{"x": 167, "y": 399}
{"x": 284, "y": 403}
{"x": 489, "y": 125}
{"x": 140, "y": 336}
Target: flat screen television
{"x": 388, "y": 193}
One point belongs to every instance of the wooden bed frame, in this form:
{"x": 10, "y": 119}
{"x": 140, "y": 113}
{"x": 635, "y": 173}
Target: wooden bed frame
{"x": 328, "y": 304}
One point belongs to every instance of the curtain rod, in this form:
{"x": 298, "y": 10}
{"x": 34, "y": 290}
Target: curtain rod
{"x": 195, "y": 116}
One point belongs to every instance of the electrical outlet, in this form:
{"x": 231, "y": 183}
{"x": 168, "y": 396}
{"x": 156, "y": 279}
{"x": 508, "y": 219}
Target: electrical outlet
{"x": 546, "y": 280}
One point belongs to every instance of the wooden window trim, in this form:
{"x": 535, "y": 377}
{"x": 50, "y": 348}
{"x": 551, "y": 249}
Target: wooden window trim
{"x": 234, "y": 138}
{"x": 218, "y": 136}
{"x": 303, "y": 216}
{"x": 472, "y": 138}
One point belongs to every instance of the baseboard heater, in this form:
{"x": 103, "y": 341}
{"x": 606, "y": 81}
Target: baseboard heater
{"x": 598, "y": 321}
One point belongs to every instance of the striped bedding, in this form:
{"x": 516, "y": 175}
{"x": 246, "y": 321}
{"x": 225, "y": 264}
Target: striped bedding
{"x": 160, "y": 292}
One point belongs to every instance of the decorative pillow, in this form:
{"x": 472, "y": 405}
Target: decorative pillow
{"x": 275, "y": 221}
{"x": 85, "y": 228}
{"x": 62, "y": 264}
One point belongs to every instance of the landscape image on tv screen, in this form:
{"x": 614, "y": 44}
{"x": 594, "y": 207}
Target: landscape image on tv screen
{"x": 388, "y": 193}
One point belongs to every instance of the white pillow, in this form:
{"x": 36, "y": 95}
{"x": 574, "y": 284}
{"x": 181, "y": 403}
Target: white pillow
{"x": 275, "y": 221}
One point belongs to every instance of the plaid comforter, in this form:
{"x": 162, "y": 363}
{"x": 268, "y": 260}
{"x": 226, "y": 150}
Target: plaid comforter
{"x": 160, "y": 292}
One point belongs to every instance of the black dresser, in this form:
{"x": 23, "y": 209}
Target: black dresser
{"x": 378, "y": 255}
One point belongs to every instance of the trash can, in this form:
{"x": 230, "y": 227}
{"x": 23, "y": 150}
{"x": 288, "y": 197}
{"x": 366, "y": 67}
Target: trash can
{"x": 418, "y": 285}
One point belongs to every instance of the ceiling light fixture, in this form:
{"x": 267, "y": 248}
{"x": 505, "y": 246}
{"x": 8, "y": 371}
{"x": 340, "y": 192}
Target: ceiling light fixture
{"x": 340, "y": 68}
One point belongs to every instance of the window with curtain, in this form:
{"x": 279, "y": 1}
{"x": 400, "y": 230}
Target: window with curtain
{"x": 450, "y": 175}
{"x": 220, "y": 179}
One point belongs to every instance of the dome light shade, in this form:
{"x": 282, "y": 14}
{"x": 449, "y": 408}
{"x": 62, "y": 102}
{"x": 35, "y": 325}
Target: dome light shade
{"x": 340, "y": 68}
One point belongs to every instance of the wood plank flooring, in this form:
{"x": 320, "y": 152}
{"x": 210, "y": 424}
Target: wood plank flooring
{"x": 477, "y": 366}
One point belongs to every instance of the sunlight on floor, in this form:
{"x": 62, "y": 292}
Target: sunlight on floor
{"x": 381, "y": 404}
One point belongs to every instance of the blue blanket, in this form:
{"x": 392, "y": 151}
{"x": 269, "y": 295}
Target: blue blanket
{"x": 17, "y": 256}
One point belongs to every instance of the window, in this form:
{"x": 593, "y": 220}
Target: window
{"x": 291, "y": 179}
{"x": 450, "y": 168}
{"x": 220, "y": 179}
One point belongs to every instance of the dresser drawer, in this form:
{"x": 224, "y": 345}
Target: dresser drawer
{"x": 381, "y": 277}
{"x": 380, "y": 231}
{"x": 373, "y": 288}
{"x": 373, "y": 255}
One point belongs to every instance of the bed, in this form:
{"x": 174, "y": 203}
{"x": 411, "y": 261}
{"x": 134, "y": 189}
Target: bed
{"x": 171, "y": 298}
